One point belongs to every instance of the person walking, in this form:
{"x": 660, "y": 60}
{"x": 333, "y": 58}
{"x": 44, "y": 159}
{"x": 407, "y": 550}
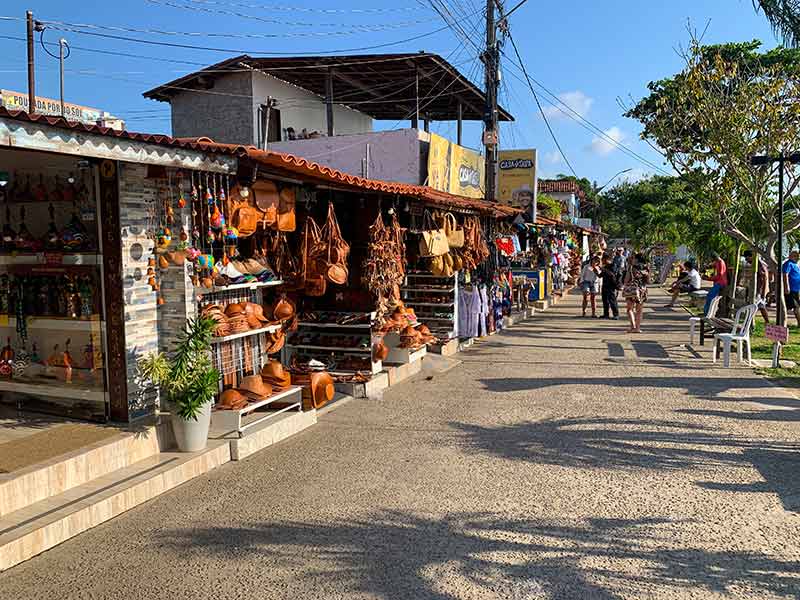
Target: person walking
{"x": 634, "y": 291}
{"x": 590, "y": 279}
{"x": 610, "y": 278}
{"x": 719, "y": 278}
{"x": 791, "y": 284}
{"x": 619, "y": 260}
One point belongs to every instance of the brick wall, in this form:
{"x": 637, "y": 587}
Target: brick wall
{"x": 148, "y": 327}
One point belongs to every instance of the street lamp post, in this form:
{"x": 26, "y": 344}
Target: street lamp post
{"x": 604, "y": 186}
{"x": 781, "y": 159}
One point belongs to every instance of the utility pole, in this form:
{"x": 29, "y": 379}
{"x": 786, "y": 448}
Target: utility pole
{"x": 490, "y": 137}
{"x": 61, "y": 43}
{"x": 31, "y": 66}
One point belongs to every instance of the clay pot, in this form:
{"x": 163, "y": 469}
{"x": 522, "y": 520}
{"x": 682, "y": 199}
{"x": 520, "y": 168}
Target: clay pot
{"x": 163, "y": 262}
{"x": 207, "y": 282}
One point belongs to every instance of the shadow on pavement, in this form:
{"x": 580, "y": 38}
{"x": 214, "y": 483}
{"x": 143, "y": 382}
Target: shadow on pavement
{"x": 396, "y": 555}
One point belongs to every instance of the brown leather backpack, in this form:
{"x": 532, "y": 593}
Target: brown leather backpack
{"x": 266, "y": 200}
{"x": 286, "y": 210}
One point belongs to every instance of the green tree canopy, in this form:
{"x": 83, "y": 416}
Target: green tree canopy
{"x": 731, "y": 102}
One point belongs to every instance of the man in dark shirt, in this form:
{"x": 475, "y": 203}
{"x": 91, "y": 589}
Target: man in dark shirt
{"x": 611, "y": 278}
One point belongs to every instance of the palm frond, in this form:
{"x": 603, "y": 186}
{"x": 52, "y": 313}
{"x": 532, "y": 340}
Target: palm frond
{"x": 784, "y": 16}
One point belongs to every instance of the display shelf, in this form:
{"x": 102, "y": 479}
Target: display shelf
{"x": 446, "y": 319}
{"x": 60, "y": 390}
{"x": 332, "y": 348}
{"x": 426, "y": 275}
{"x": 442, "y": 304}
{"x": 51, "y": 258}
{"x": 441, "y": 291}
{"x": 59, "y": 324}
{"x": 244, "y": 334}
{"x": 334, "y": 325}
{"x": 252, "y": 285}
{"x": 231, "y": 420}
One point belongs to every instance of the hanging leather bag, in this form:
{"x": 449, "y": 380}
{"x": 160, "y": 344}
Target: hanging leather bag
{"x": 286, "y": 210}
{"x": 454, "y": 232}
{"x": 266, "y": 201}
{"x": 314, "y": 281}
{"x": 434, "y": 239}
{"x": 244, "y": 216}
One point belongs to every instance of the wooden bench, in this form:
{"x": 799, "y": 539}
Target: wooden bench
{"x": 709, "y": 327}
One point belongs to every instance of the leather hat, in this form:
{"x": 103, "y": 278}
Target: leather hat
{"x": 424, "y": 330}
{"x": 322, "y": 388}
{"x": 232, "y": 400}
{"x": 275, "y": 342}
{"x": 255, "y": 310}
{"x": 234, "y": 309}
{"x": 284, "y": 309}
{"x": 274, "y": 374}
{"x": 254, "y": 387}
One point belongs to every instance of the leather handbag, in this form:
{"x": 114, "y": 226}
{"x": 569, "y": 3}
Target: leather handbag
{"x": 337, "y": 250}
{"x": 286, "y": 210}
{"x": 454, "y": 233}
{"x": 434, "y": 239}
{"x": 245, "y": 217}
{"x": 314, "y": 280}
{"x": 266, "y": 200}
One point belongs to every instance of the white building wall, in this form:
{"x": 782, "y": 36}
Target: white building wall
{"x": 301, "y": 109}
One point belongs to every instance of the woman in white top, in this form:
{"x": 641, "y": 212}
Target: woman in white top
{"x": 689, "y": 281}
{"x": 590, "y": 284}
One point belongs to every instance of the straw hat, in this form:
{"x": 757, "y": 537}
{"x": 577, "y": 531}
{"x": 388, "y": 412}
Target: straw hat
{"x": 254, "y": 387}
{"x": 232, "y": 400}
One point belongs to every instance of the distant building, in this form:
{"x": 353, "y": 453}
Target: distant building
{"x": 73, "y": 112}
{"x": 569, "y": 194}
{"x": 324, "y": 108}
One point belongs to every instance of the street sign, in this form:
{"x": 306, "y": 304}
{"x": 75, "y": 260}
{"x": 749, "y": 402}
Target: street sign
{"x": 777, "y": 333}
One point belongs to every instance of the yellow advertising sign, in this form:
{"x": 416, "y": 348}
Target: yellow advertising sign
{"x": 439, "y": 163}
{"x": 516, "y": 177}
{"x": 455, "y": 169}
{"x": 467, "y": 172}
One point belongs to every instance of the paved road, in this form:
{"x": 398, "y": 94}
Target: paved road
{"x": 562, "y": 459}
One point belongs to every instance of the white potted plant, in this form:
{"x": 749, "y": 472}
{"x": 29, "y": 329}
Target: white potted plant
{"x": 190, "y": 382}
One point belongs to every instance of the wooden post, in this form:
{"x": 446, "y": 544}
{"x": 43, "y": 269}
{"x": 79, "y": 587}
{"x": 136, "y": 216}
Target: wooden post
{"x": 329, "y": 100}
{"x": 415, "y": 119}
{"x": 460, "y": 123}
{"x": 31, "y": 67}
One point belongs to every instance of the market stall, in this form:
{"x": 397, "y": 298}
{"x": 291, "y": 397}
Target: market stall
{"x": 52, "y": 318}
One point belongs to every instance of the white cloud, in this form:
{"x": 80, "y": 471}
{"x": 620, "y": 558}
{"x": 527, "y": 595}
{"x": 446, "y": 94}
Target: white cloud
{"x": 577, "y": 101}
{"x": 553, "y": 158}
{"x": 603, "y": 146}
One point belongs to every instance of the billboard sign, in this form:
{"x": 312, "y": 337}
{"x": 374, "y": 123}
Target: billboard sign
{"x": 455, "y": 169}
{"x": 47, "y": 106}
{"x": 516, "y": 179}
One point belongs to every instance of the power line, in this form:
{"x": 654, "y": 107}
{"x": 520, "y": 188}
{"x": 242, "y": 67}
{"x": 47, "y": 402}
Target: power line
{"x": 249, "y": 52}
{"x": 305, "y": 9}
{"x": 233, "y": 13}
{"x": 541, "y": 110}
{"x": 354, "y": 30}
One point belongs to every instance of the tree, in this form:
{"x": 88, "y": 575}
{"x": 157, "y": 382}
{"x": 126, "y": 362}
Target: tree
{"x": 731, "y": 103}
{"x": 784, "y": 16}
{"x": 549, "y": 206}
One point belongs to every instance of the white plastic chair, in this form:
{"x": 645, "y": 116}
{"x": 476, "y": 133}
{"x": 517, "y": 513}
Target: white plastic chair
{"x": 695, "y": 321}
{"x": 740, "y": 334}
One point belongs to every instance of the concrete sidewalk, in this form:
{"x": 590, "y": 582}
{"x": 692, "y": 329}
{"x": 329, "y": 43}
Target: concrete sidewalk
{"x": 561, "y": 459}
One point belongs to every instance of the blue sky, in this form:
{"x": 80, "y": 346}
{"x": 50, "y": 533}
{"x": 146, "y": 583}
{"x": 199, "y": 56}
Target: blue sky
{"x": 588, "y": 52}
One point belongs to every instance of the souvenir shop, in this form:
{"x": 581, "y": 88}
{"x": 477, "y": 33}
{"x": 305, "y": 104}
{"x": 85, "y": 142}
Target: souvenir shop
{"x": 314, "y": 278}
